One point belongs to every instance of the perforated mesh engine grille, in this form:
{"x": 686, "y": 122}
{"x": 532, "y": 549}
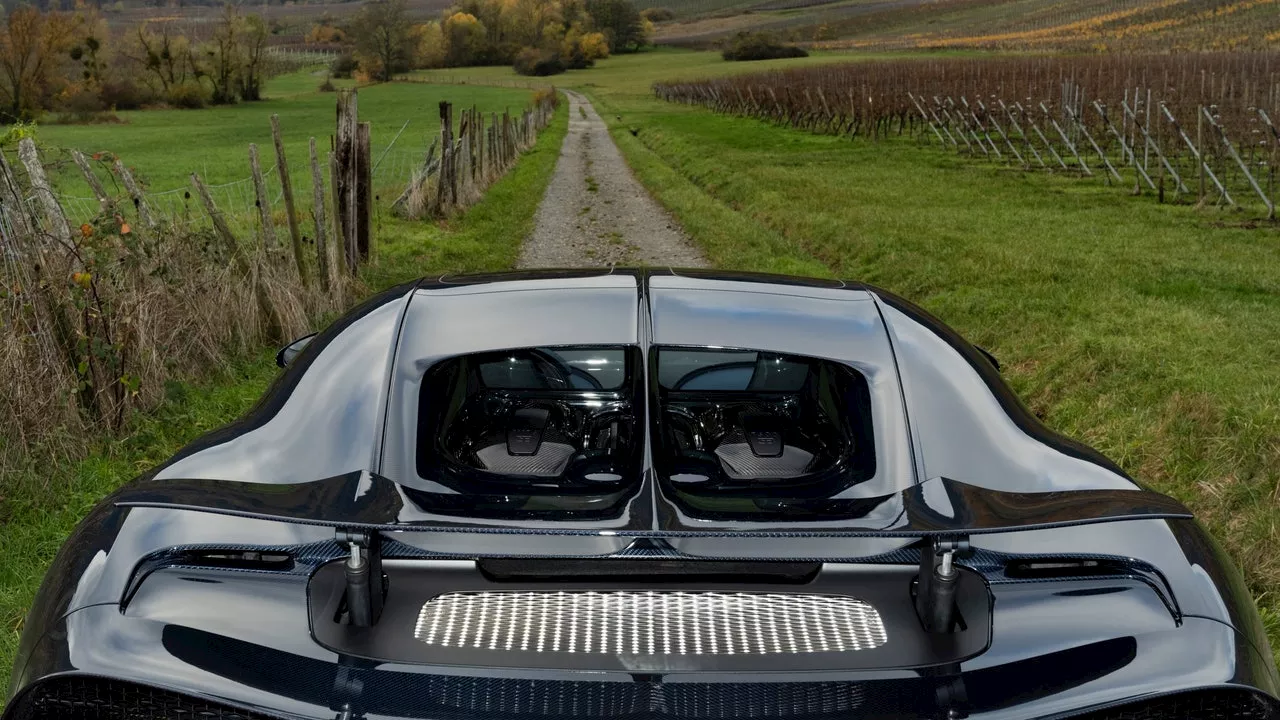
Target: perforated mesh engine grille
{"x": 651, "y": 623}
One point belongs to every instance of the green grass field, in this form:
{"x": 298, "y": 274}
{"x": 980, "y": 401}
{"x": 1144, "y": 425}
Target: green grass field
{"x": 166, "y": 146}
{"x": 1150, "y": 331}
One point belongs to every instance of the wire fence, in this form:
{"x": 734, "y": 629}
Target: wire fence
{"x": 394, "y": 166}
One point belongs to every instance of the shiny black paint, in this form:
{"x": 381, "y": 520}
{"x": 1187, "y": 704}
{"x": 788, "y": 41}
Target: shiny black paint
{"x": 936, "y": 507}
{"x": 320, "y": 445}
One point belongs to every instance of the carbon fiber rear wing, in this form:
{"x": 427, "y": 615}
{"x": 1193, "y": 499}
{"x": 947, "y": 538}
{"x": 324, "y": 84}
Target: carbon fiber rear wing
{"x": 937, "y": 508}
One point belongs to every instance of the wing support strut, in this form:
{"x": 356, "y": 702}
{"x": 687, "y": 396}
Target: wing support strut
{"x": 936, "y": 584}
{"x": 366, "y": 584}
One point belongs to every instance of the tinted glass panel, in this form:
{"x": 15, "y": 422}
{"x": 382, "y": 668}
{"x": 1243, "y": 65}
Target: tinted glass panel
{"x": 699, "y": 369}
{"x": 744, "y": 429}
{"x": 556, "y": 369}
{"x": 559, "y": 424}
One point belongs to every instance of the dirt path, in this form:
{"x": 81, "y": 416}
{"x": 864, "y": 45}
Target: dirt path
{"x": 595, "y": 212}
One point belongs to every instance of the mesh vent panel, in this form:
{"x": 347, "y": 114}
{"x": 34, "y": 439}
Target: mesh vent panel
{"x": 100, "y": 699}
{"x": 1207, "y": 705}
{"x": 651, "y": 623}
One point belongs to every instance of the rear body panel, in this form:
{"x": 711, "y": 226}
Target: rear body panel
{"x": 331, "y": 446}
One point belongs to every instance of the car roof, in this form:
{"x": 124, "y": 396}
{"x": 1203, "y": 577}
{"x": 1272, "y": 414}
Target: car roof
{"x": 348, "y": 402}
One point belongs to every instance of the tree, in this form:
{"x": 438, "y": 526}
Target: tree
{"x": 431, "y": 46}
{"x": 33, "y": 45}
{"x": 253, "y": 65}
{"x": 621, "y": 24}
{"x": 383, "y": 37}
{"x": 222, "y": 55}
{"x": 165, "y": 57}
{"x": 465, "y": 39}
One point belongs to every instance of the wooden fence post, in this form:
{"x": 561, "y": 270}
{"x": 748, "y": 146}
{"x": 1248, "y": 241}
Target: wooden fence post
{"x": 264, "y": 204}
{"x": 344, "y": 153}
{"x": 363, "y": 189}
{"x": 446, "y": 190}
{"x": 35, "y": 171}
{"x": 282, "y": 168}
{"x": 248, "y": 267}
{"x": 11, "y": 198}
{"x": 219, "y": 223}
{"x": 339, "y": 213}
{"x": 317, "y": 216}
{"x": 104, "y": 202}
{"x": 135, "y": 192}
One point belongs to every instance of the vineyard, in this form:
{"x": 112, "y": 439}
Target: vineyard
{"x": 1193, "y": 127}
{"x": 1078, "y": 26}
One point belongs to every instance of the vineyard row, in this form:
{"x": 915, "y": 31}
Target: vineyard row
{"x": 1202, "y": 127}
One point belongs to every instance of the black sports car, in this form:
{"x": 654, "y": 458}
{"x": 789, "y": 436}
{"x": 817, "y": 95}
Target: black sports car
{"x": 640, "y": 494}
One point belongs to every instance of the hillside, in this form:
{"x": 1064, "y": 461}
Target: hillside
{"x": 1077, "y": 25}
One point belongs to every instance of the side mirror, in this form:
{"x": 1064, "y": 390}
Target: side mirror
{"x": 290, "y": 351}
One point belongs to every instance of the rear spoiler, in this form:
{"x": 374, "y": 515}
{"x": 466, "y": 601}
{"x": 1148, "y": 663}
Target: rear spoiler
{"x": 938, "y": 508}
{"x": 942, "y": 513}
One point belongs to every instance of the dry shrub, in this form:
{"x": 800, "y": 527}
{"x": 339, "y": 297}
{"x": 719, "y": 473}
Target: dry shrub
{"x": 93, "y": 326}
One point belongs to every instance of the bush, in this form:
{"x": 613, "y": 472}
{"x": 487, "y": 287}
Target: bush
{"x": 327, "y": 85}
{"x": 658, "y": 14}
{"x": 539, "y": 63}
{"x": 188, "y": 95}
{"x": 121, "y": 95}
{"x": 759, "y": 46}
{"x": 344, "y": 66}
{"x": 82, "y": 106}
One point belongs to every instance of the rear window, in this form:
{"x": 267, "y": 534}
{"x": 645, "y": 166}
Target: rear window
{"x": 709, "y": 369}
{"x": 545, "y": 421}
{"x": 555, "y": 369}
{"x": 764, "y": 423}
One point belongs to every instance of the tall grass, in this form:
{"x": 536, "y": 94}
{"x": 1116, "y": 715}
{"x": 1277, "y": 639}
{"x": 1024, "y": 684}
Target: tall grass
{"x": 95, "y": 319}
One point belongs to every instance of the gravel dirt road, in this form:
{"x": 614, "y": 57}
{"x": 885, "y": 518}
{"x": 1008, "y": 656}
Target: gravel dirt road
{"x": 595, "y": 212}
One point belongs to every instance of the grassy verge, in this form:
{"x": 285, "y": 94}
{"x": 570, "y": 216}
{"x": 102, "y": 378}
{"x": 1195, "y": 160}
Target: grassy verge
{"x": 37, "y": 514}
{"x": 1149, "y": 331}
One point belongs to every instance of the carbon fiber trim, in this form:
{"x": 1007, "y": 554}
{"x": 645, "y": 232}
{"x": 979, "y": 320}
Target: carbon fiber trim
{"x": 551, "y": 460}
{"x": 739, "y": 462}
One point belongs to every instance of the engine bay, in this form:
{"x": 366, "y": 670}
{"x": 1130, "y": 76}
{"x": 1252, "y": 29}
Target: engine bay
{"x": 571, "y": 420}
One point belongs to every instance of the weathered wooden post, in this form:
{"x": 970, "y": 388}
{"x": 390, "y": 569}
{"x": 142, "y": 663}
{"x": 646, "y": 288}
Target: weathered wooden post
{"x": 35, "y": 171}
{"x": 364, "y": 190}
{"x": 261, "y": 200}
{"x": 104, "y": 202}
{"x": 247, "y": 267}
{"x": 219, "y": 223}
{"x": 446, "y": 191}
{"x": 317, "y": 217}
{"x": 344, "y": 176}
{"x": 135, "y": 193}
{"x": 282, "y": 168}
